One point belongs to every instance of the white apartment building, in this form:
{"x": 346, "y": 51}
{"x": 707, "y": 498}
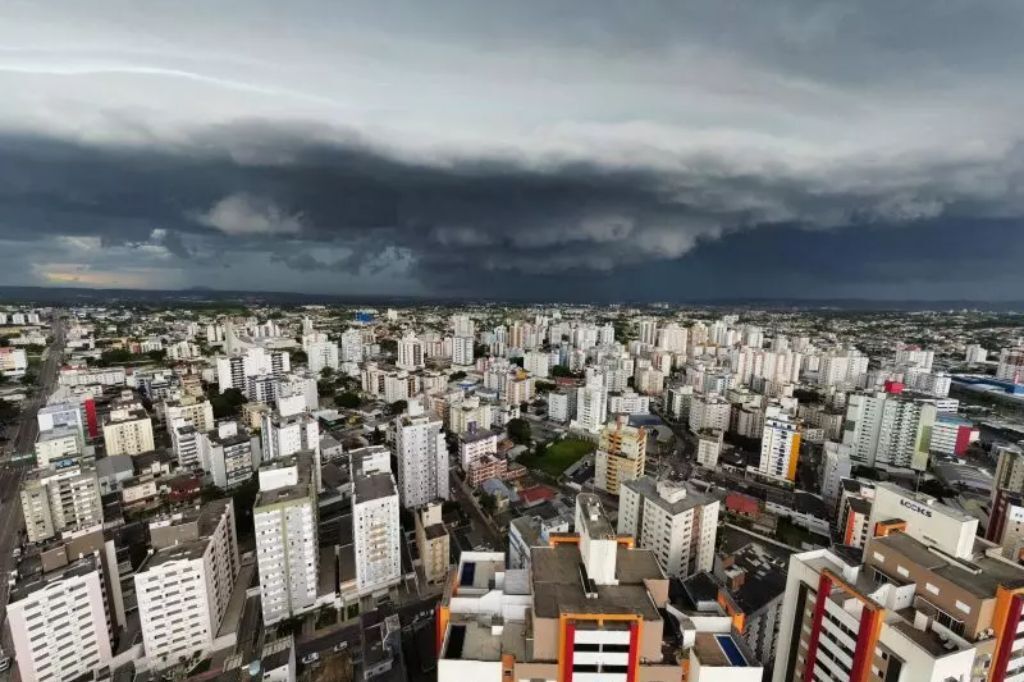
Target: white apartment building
{"x": 841, "y": 368}
{"x": 672, "y": 338}
{"x": 836, "y": 465}
{"x": 709, "y": 447}
{"x": 675, "y": 521}
{"x": 183, "y": 589}
{"x": 285, "y": 520}
{"x": 628, "y": 403}
{"x": 537, "y": 363}
{"x": 320, "y": 352}
{"x": 780, "y": 446}
{"x": 63, "y": 414}
{"x": 709, "y": 412}
{"x": 376, "y": 533}
{"x": 475, "y": 445}
{"x": 229, "y": 453}
{"x": 975, "y": 354}
{"x": 889, "y": 430}
{"x": 233, "y": 371}
{"x": 471, "y": 414}
{"x": 352, "y": 346}
{"x": 410, "y": 353}
{"x": 462, "y": 351}
{"x": 591, "y": 407}
{"x": 561, "y": 405}
{"x": 58, "y": 444}
{"x": 185, "y": 444}
{"x": 128, "y": 431}
{"x": 59, "y": 623}
{"x": 422, "y": 458}
{"x": 1011, "y": 365}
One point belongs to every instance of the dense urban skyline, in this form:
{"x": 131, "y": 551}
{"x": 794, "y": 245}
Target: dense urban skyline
{"x": 615, "y": 152}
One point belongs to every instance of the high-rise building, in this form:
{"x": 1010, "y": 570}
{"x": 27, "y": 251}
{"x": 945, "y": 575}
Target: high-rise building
{"x": 61, "y": 498}
{"x": 929, "y": 601}
{"x": 835, "y": 466}
{"x": 321, "y": 352}
{"x": 410, "y": 353}
{"x": 58, "y": 622}
{"x": 590, "y": 607}
{"x": 591, "y": 407}
{"x": 888, "y": 429}
{"x": 621, "y": 455}
{"x": 229, "y": 453}
{"x": 672, "y": 338}
{"x": 128, "y": 431}
{"x": 285, "y": 520}
{"x": 462, "y": 351}
{"x": 975, "y": 354}
{"x": 284, "y": 436}
{"x": 184, "y": 587}
{"x": 463, "y": 325}
{"x": 432, "y": 543}
{"x": 185, "y": 444}
{"x": 352, "y": 346}
{"x": 709, "y": 412}
{"x": 780, "y": 446}
{"x": 709, "y": 447}
{"x": 536, "y": 363}
{"x": 422, "y": 458}
{"x": 191, "y": 410}
{"x": 234, "y": 371}
{"x": 1011, "y": 365}
{"x": 376, "y": 533}
{"x": 648, "y": 331}
{"x": 675, "y": 521}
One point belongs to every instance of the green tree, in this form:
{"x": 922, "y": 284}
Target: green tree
{"x": 561, "y": 371}
{"x": 519, "y": 431}
{"x": 457, "y": 376}
{"x": 227, "y": 403}
{"x": 327, "y": 373}
{"x": 488, "y": 503}
{"x": 348, "y": 400}
{"x": 299, "y": 357}
{"x": 157, "y": 355}
{"x": 398, "y": 407}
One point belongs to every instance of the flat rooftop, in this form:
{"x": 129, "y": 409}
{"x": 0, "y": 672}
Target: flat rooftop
{"x": 373, "y": 487}
{"x": 980, "y": 576}
{"x": 558, "y": 588}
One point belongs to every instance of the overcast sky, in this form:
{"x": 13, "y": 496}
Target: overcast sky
{"x": 545, "y": 149}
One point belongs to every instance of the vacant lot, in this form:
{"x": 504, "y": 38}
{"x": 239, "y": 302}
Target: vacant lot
{"x": 558, "y": 456}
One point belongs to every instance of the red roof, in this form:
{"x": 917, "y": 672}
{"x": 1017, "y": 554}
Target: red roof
{"x": 742, "y": 504}
{"x": 537, "y": 493}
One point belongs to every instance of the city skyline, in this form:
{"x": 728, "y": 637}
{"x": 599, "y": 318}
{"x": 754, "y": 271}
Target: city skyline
{"x": 618, "y": 153}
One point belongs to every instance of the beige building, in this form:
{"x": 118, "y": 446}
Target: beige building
{"x": 128, "y": 431}
{"x": 54, "y": 500}
{"x": 432, "y": 542}
{"x": 197, "y": 412}
{"x": 621, "y": 455}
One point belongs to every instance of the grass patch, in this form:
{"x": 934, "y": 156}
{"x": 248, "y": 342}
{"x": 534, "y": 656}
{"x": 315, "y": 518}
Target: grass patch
{"x": 558, "y": 456}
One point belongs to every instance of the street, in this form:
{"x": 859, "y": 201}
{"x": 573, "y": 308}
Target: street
{"x": 12, "y": 473}
{"x": 28, "y": 428}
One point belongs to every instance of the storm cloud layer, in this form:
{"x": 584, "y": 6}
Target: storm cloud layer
{"x": 621, "y": 152}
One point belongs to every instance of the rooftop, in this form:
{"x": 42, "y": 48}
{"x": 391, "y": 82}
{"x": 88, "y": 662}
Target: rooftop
{"x": 373, "y": 487}
{"x": 559, "y": 589}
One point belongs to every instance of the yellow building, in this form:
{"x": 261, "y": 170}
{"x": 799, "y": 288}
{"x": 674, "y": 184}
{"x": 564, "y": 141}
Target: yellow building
{"x": 621, "y": 455}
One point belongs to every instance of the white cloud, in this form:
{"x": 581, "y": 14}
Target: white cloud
{"x": 241, "y": 214}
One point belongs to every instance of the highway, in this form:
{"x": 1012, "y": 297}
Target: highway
{"x": 12, "y": 473}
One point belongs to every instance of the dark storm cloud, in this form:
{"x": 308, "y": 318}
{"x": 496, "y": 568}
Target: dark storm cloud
{"x": 313, "y": 205}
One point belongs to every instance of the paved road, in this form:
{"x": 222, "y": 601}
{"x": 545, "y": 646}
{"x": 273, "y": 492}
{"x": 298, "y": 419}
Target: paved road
{"x": 12, "y": 473}
{"x": 28, "y": 428}
{"x": 481, "y": 521}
